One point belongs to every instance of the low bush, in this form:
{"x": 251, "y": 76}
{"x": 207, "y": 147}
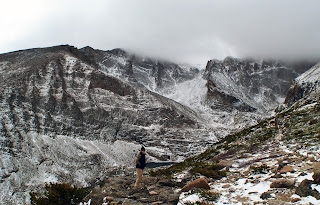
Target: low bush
{"x": 161, "y": 172}
{"x": 209, "y": 196}
{"x": 59, "y": 194}
{"x": 262, "y": 169}
{"x": 213, "y": 174}
{"x": 208, "y": 170}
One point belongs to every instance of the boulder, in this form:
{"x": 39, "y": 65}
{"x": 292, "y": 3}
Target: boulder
{"x": 283, "y": 183}
{"x": 153, "y": 193}
{"x": 200, "y": 183}
{"x": 304, "y": 189}
{"x": 316, "y": 173}
{"x": 265, "y": 195}
{"x": 286, "y": 169}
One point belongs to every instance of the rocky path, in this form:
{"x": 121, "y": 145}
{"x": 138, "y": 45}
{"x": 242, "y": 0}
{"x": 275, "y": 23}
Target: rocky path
{"x": 120, "y": 190}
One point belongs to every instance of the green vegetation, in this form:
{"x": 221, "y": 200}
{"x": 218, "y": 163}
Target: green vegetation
{"x": 262, "y": 169}
{"x": 208, "y": 170}
{"x": 59, "y": 194}
{"x": 162, "y": 172}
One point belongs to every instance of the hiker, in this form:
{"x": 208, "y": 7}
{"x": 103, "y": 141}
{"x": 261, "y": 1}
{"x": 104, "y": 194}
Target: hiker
{"x": 140, "y": 165}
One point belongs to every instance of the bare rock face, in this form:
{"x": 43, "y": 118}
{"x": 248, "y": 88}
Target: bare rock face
{"x": 142, "y": 71}
{"x": 200, "y": 183}
{"x": 294, "y": 94}
{"x": 64, "y": 119}
{"x": 247, "y": 85}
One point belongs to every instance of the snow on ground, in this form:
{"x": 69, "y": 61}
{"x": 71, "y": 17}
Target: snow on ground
{"x": 307, "y": 107}
{"x": 184, "y": 198}
{"x": 308, "y": 200}
{"x": 241, "y": 186}
{"x": 189, "y": 93}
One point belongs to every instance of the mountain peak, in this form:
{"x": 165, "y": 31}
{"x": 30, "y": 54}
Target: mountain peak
{"x": 119, "y": 52}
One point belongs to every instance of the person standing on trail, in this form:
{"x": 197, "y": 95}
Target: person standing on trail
{"x": 140, "y": 165}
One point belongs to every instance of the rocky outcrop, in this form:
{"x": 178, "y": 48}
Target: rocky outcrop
{"x": 305, "y": 86}
{"x": 304, "y": 189}
{"x": 224, "y": 101}
{"x": 150, "y": 73}
{"x": 248, "y": 85}
{"x": 294, "y": 94}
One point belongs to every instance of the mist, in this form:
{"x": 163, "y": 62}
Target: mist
{"x": 181, "y": 31}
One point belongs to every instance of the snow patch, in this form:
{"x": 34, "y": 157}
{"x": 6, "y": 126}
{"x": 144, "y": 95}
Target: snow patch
{"x": 310, "y": 76}
{"x": 187, "y": 198}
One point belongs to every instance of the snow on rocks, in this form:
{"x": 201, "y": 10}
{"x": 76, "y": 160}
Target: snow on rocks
{"x": 312, "y": 75}
{"x": 248, "y": 183}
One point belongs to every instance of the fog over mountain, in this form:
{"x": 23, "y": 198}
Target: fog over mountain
{"x": 183, "y": 31}
{"x": 85, "y": 84}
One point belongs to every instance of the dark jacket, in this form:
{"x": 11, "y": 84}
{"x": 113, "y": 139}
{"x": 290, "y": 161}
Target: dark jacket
{"x": 141, "y": 161}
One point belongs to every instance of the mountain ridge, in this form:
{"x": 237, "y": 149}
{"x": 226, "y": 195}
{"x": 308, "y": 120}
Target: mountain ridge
{"x": 71, "y": 114}
{"x": 274, "y": 162}
{"x": 61, "y": 122}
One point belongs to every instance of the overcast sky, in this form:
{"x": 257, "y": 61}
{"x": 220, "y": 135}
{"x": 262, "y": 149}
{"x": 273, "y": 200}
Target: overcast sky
{"x": 179, "y": 30}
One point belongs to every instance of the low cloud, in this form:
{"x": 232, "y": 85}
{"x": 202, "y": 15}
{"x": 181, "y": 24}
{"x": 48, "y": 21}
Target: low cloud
{"x": 181, "y": 30}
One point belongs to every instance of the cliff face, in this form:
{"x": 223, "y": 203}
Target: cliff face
{"x": 141, "y": 71}
{"x": 254, "y": 86}
{"x": 64, "y": 119}
{"x": 306, "y": 86}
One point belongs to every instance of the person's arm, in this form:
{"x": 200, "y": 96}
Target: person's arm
{"x": 138, "y": 160}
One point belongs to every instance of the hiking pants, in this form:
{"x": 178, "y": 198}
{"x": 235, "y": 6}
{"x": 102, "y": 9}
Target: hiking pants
{"x": 139, "y": 177}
